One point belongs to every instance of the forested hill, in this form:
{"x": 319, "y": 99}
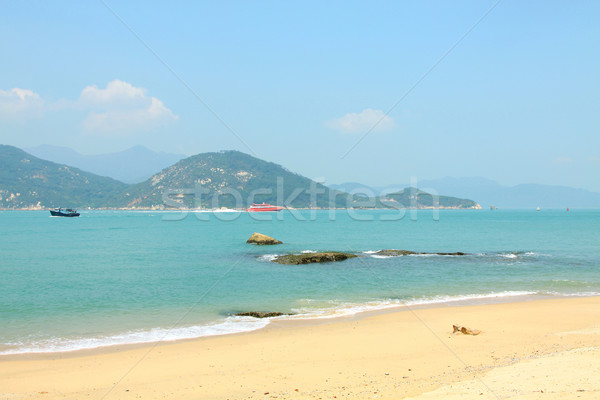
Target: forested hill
{"x": 29, "y": 182}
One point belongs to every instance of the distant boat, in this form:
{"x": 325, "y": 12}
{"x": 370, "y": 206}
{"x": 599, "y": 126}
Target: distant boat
{"x": 64, "y": 212}
{"x": 493, "y": 207}
{"x": 538, "y": 209}
{"x": 264, "y": 207}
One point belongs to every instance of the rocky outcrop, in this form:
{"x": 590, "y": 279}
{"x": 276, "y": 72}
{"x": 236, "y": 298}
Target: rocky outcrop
{"x": 394, "y": 253}
{"x": 398, "y": 253}
{"x": 260, "y": 239}
{"x": 309, "y": 258}
{"x": 464, "y": 330}
{"x": 261, "y": 314}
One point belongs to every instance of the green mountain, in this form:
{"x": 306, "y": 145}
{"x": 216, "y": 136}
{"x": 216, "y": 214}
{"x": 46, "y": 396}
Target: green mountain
{"x": 230, "y": 179}
{"x": 29, "y": 182}
{"x": 209, "y": 180}
{"x": 414, "y": 198}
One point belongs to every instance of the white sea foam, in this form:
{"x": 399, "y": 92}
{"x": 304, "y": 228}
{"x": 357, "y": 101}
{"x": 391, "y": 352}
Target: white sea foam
{"x": 307, "y": 251}
{"x": 268, "y": 257}
{"x": 578, "y": 294}
{"x": 227, "y": 326}
{"x": 510, "y": 255}
{"x": 518, "y": 254}
{"x": 339, "y": 309}
{"x": 313, "y": 309}
{"x": 373, "y": 254}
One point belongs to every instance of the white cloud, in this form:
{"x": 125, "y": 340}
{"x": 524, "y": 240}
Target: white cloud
{"x": 129, "y": 121}
{"x": 367, "y": 120}
{"x": 19, "y": 104}
{"x": 122, "y": 108}
{"x": 116, "y": 94}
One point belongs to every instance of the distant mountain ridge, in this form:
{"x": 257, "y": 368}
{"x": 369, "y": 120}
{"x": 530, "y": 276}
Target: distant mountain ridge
{"x": 229, "y": 179}
{"x": 489, "y": 192}
{"x": 133, "y": 165}
{"x": 235, "y": 179}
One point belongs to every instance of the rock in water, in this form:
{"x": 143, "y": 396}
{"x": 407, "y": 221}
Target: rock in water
{"x": 464, "y": 330}
{"x": 259, "y": 238}
{"x": 309, "y": 258}
{"x": 398, "y": 253}
{"x": 261, "y": 314}
{"x": 395, "y": 253}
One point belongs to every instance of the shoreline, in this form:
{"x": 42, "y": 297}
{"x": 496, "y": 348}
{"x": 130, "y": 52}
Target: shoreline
{"x": 244, "y": 209}
{"x": 299, "y": 320}
{"x": 392, "y": 354}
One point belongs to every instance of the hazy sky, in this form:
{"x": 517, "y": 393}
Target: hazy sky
{"x": 514, "y": 96}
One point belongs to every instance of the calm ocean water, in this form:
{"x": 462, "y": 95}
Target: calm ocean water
{"x": 116, "y": 277}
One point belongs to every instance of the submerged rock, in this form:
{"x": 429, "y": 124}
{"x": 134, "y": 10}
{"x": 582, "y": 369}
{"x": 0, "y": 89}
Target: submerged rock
{"x": 260, "y": 239}
{"x": 261, "y": 314}
{"x": 398, "y": 253}
{"x": 309, "y": 258}
{"x": 395, "y": 253}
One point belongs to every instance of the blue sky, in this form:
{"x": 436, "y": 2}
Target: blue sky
{"x": 300, "y": 83}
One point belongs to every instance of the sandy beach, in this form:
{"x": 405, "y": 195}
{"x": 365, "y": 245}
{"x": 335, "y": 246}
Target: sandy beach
{"x": 543, "y": 349}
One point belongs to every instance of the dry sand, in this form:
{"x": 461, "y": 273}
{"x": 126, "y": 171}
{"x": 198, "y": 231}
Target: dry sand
{"x": 547, "y": 349}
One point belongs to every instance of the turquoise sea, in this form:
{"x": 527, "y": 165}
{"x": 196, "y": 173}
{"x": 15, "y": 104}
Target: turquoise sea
{"x": 118, "y": 277}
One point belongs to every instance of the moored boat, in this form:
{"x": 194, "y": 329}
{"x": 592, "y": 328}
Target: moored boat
{"x": 264, "y": 207}
{"x": 64, "y": 212}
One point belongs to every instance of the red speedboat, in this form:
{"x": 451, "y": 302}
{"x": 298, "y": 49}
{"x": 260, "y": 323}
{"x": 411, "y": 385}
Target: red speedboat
{"x": 264, "y": 207}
